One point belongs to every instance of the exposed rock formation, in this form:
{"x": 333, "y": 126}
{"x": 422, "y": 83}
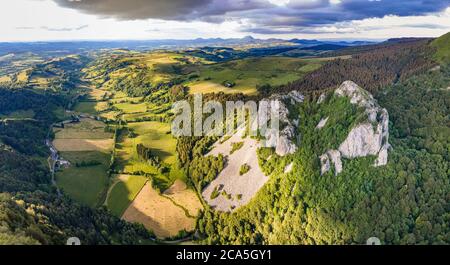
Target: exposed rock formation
{"x": 322, "y": 123}
{"x": 295, "y": 97}
{"x": 284, "y": 142}
{"x": 361, "y": 141}
{"x": 368, "y": 138}
{"x": 334, "y": 157}
{"x": 325, "y": 162}
{"x": 321, "y": 98}
{"x": 289, "y": 167}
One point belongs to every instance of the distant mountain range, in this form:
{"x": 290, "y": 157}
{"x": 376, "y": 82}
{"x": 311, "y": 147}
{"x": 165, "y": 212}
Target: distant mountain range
{"x": 69, "y": 47}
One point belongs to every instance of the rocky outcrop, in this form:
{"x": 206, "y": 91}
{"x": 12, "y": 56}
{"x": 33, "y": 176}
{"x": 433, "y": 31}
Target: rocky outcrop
{"x": 284, "y": 141}
{"x": 322, "y": 123}
{"x": 295, "y": 97}
{"x": 325, "y": 163}
{"x": 289, "y": 167}
{"x": 362, "y": 141}
{"x": 334, "y": 157}
{"x": 321, "y": 98}
{"x": 367, "y": 138}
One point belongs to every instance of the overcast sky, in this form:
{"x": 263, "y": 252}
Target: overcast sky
{"x": 36, "y": 20}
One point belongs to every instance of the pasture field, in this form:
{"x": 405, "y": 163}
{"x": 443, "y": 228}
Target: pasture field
{"x": 84, "y": 184}
{"x": 120, "y": 97}
{"x": 248, "y": 73}
{"x": 119, "y": 94}
{"x": 184, "y": 197}
{"x": 158, "y": 213}
{"x": 127, "y": 160}
{"x": 123, "y": 191}
{"x": 110, "y": 115}
{"x": 157, "y": 137}
{"x": 97, "y": 94}
{"x": 67, "y": 145}
{"x": 87, "y": 146}
{"x": 22, "y": 77}
{"x": 129, "y": 107}
{"x": 91, "y": 107}
{"x": 159, "y": 68}
{"x": 41, "y": 82}
{"x": 154, "y": 135}
{"x": 140, "y": 116}
{"x": 85, "y": 129}
{"x": 61, "y": 113}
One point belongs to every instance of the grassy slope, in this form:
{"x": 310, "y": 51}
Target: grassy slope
{"x": 442, "y": 45}
{"x": 123, "y": 193}
{"x": 89, "y": 107}
{"x": 153, "y": 135}
{"x": 248, "y": 73}
{"x": 84, "y": 184}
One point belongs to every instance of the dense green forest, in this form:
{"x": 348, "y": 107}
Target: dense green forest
{"x": 372, "y": 68}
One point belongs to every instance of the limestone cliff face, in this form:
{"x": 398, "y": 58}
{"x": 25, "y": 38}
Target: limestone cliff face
{"x": 285, "y": 140}
{"x": 368, "y": 138}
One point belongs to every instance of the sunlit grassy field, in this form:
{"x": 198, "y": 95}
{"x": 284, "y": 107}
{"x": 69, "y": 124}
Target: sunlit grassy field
{"x": 123, "y": 192}
{"x": 88, "y": 142}
{"x": 131, "y": 107}
{"x": 154, "y": 135}
{"x": 84, "y": 184}
{"x": 86, "y": 129}
{"x": 247, "y": 74}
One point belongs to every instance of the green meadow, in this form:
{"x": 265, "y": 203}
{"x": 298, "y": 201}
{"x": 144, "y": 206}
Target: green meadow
{"x": 85, "y": 183}
{"x": 248, "y": 73}
{"x": 123, "y": 192}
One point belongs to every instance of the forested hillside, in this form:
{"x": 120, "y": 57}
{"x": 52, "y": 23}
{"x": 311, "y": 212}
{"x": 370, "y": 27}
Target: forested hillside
{"x": 31, "y": 211}
{"x": 405, "y": 202}
{"x": 373, "y": 67}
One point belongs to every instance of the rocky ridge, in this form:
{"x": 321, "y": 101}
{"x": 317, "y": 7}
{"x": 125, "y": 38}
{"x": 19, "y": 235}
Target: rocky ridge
{"x": 367, "y": 138}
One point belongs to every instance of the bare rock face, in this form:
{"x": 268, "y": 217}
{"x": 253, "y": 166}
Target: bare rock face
{"x": 334, "y": 157}
{"x": 285, "y": 146}
{"x": 371, "y": 138}
{"x": 368, "y": 138}
{"x": 285, "y": 140}
{"x": 296, "y": 97}
{"x": 321, "y": 98}
{"x": 322, "y": 123}
{"x": 382, "y": 157}
{"x": 289, "y": 167}
{"x": 362, "y": 141}
{"x": 357, "y": 95}
{"x": 325, "y": 163}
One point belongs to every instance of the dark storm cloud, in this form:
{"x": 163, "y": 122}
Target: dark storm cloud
{"x": 296, "y": 16}
{"x": 303, "y": 16}
{"x": 379, "y": 8}
{"x": 160, "y": 9}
